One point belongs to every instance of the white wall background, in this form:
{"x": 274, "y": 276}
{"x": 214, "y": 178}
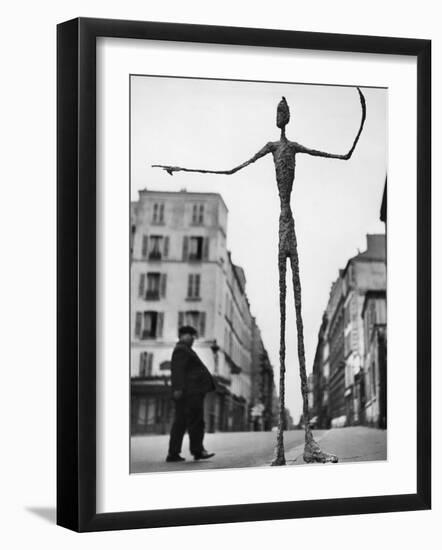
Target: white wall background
{"x": 27, "y": 288}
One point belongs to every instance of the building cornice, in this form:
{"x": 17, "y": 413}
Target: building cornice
{"x": 187, "y": 194}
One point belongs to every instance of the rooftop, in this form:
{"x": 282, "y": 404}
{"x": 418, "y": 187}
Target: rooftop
{"x": 375, "y": 251}
{"x": 182, "y": 192}
{"x": 375, "y": 248}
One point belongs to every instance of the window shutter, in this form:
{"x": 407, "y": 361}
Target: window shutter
{"x": 149, "y": 364}
{"x": 141, "y": 285}
{"x": 144, "y": 246}
{"x": 138, "y": 323}
{"x": 196, "y": 288}
{"x": 163, "y": 284}
{"x": 180, "y": 319}
{"x": 185, "y": 247}
{"x": 166, "y": 247}
{"x": 206, "y": 248}
{"x": 142, "y": 370}
{"x": 161, "y": 212}
{"x": 160, "y": 323}
{"x": 202, "y": 327}
{"x": 189, "y": 286}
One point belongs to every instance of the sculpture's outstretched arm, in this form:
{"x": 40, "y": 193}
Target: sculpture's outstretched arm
{"x": 315, "y": 153}
{"x": 171, "y": 169}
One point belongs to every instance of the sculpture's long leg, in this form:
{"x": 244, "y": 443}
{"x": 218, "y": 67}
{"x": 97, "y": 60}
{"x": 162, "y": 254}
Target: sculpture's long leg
{"x": 282, "y": 266}
{"x": 312, "y": 451}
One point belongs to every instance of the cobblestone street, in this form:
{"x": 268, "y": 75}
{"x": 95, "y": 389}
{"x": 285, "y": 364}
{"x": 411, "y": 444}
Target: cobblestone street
{"x": 255, "y": 449}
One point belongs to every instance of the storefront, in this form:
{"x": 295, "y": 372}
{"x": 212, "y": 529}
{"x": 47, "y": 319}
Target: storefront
{"x": 151, "y": 406}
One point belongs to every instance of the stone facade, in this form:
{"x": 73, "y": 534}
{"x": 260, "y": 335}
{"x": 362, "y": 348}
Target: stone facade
{"x": 182, "y": 273}
{"x": 374, "y": 315}
{"x": 340, "y": 376}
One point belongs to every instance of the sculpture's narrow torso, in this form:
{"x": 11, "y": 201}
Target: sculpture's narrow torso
{"x": 284, "y": 157}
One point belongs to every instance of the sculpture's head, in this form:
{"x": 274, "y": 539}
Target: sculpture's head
{"x": 282, "y": 114}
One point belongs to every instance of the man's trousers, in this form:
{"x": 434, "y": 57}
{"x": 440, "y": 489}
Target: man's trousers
{"x": 189, "y": 416}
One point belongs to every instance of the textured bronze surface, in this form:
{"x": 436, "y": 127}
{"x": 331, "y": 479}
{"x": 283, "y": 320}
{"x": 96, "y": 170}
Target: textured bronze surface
{"x": 284, "y": 157}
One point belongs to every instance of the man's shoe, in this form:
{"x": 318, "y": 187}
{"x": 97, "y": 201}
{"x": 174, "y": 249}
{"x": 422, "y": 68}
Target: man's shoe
{"x": 202, "y": 455}
{"x": 174, "y": 458}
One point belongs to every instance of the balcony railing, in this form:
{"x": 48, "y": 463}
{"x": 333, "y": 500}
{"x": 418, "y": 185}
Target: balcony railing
{"x": 195, "y": 257}
{"x": 152, "y": 295}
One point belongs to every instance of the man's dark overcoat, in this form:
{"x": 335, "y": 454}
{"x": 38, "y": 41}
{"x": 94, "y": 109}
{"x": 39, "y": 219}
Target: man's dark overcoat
{"x": 189, "y": 373}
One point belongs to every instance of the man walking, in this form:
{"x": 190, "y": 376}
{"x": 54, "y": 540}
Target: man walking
{"x": 191, "y": 380}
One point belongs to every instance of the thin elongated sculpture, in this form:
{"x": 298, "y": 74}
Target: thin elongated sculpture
{"x": 284, "y": 156}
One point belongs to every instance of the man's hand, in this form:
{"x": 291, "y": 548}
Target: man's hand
{"x": 177, "y": 394}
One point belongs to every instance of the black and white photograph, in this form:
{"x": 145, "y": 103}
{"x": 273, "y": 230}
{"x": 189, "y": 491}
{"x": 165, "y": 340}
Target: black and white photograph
{"x": 221, "y": 220}
{"x": 258, "y": 274}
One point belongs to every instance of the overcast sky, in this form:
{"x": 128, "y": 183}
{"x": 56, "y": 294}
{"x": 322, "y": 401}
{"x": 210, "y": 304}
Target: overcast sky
{"x": 217, "y": 125}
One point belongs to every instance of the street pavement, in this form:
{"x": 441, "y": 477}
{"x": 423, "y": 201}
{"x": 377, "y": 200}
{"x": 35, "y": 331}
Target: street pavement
{"x": 352, "y": 444}
{"x": 256, "y": 449}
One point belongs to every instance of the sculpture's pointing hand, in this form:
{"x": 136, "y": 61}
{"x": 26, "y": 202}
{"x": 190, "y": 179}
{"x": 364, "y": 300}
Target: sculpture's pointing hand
{"x": 169, "y": 169}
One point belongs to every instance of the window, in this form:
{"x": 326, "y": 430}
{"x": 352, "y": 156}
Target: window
{"x": 149, "y": 324}
{"x": 146, "y": 412}
{"x": 152, "y": 286}
{"x": 197, "y": 214}
{"x": 193, "y": 286}
{"x": 195, "y": 248}
{"x": 196, "y": 319}
{"x": 146, "y": 360}
{"x": 158, "y": 213}
{"x": 155, "y": 247}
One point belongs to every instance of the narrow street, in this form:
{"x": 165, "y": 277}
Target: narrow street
{"x": 233, "y": 450}
{"x": 254, "y": 449}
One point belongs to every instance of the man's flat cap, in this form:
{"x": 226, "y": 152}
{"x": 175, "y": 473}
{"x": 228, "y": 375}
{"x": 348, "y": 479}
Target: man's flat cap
{"x": 187, "y": 329}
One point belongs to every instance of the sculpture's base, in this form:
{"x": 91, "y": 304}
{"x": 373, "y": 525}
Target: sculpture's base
{"x": 313, "y": 453}
{"x": 279, "y": 461}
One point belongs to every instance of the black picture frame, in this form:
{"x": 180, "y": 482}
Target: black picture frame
{"x": 76, "y": 273}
